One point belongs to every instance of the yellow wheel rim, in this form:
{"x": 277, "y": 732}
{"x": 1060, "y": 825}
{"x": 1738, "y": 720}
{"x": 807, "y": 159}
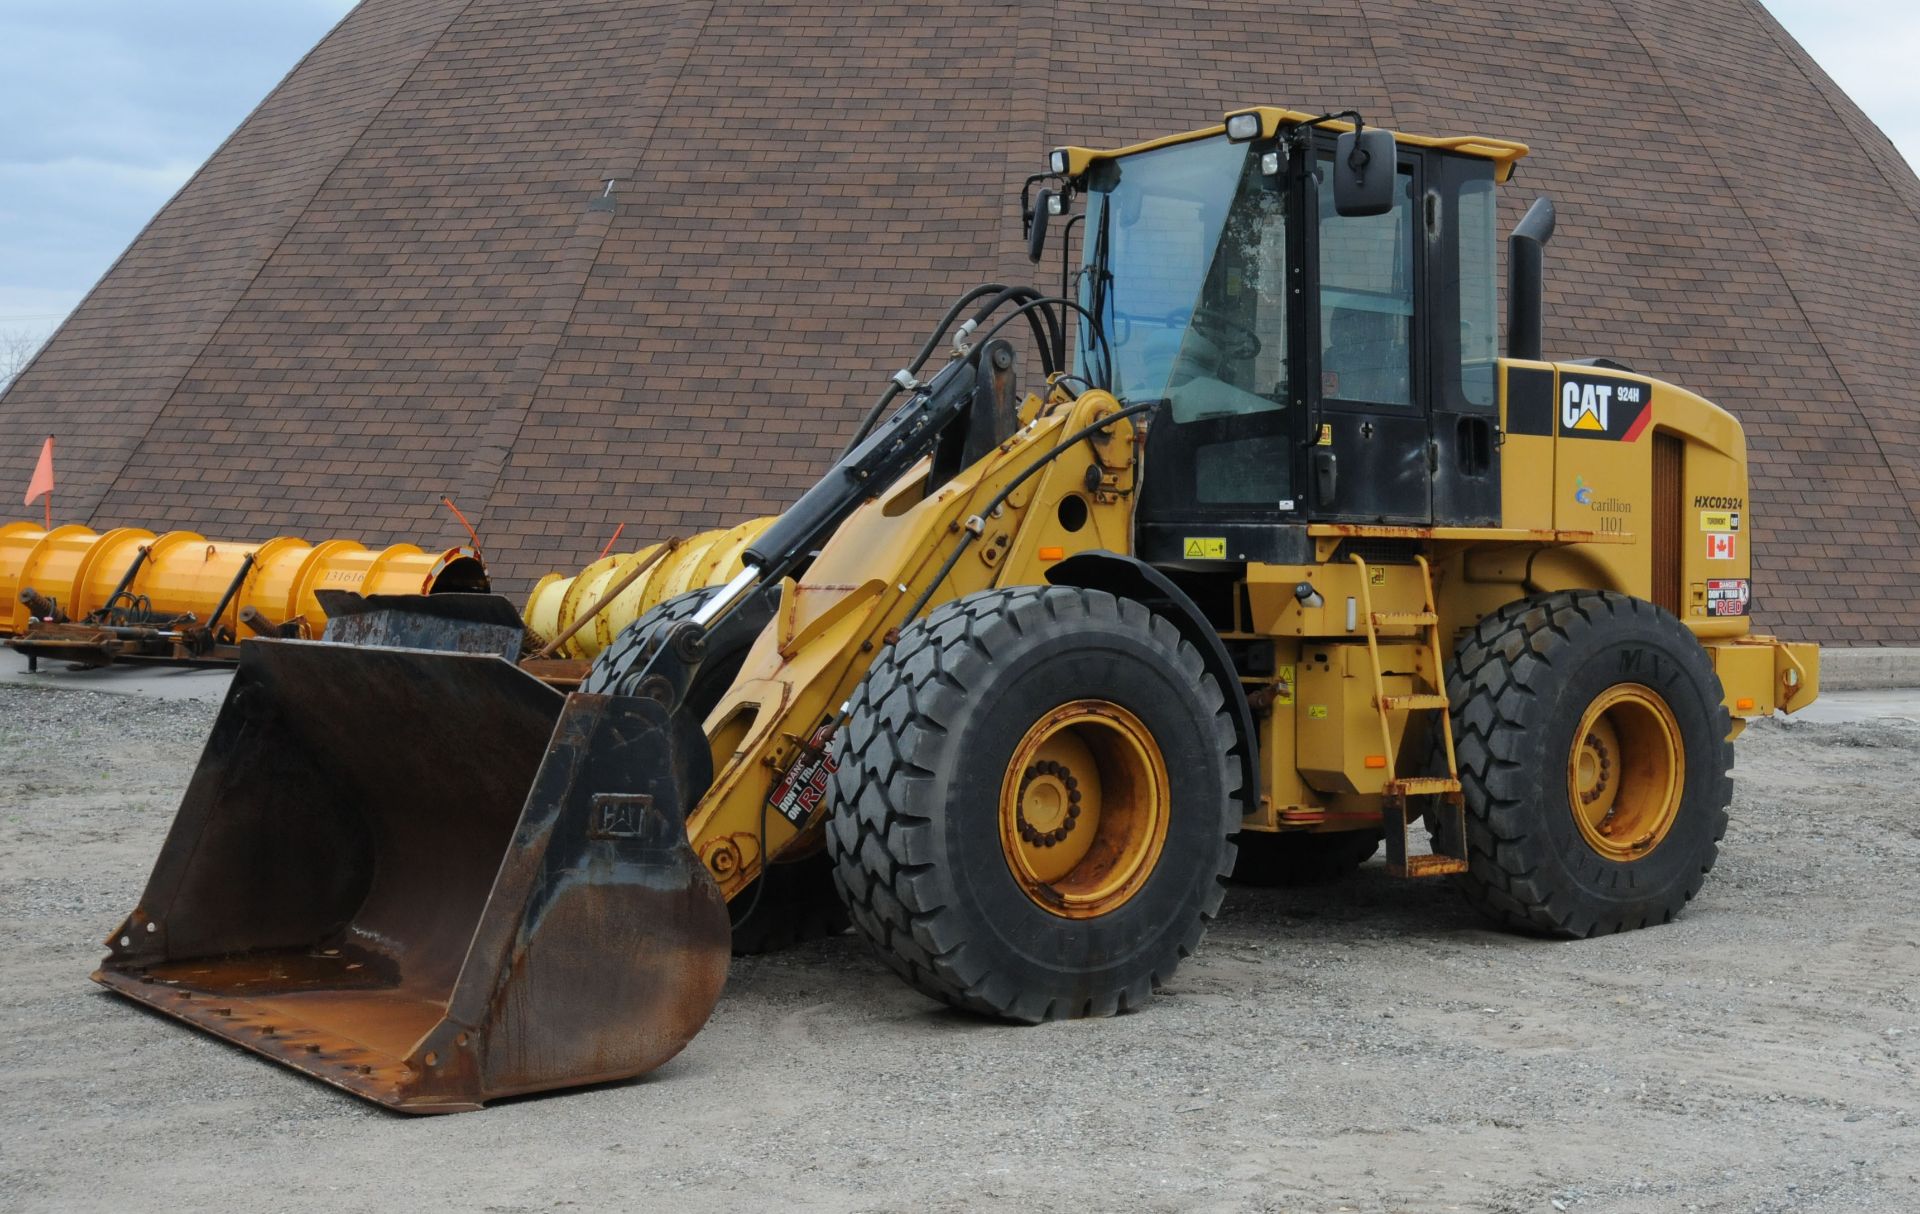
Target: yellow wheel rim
{"x": 1083, "y": 809}
{"x": 1626, "y": 772}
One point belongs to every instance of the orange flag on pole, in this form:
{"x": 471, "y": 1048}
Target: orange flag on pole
{"x": 42, "y": 482}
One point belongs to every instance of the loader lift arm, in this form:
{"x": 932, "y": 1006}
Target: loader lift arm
{"x": 879, "y": 537}
{"x": 964, "y": 411}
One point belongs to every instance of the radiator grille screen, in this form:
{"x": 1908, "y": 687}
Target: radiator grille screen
{"x": 1668, "y": 459}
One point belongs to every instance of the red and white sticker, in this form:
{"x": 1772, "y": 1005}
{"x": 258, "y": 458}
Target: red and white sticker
{"x": 804, "y": 784}
{"x": 1728, "y": 596}
{"x": 1721, "y": 545}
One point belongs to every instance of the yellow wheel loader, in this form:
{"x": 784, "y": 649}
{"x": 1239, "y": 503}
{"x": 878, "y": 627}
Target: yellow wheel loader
{"x": 1279, "y": 561}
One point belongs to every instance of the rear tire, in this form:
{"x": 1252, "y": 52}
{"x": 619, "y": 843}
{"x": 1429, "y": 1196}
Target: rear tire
{"x": 798, "y": 903}
{"x": 1291, "y": 858}
{"x": 973, "y": 746}
{"x": 1593, "y": 753}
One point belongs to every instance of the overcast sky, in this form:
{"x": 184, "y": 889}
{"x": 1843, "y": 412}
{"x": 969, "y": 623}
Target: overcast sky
{"x": 107, "y": 106}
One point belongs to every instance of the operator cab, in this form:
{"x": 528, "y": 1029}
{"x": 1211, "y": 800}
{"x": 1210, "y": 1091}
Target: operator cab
{"x": 1321, "y": 360}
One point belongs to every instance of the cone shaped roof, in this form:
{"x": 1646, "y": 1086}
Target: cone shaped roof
{"x": 394, "y": 280}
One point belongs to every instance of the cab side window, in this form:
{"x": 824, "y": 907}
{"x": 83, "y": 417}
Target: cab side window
{"x": 1366, "y": 302}
{"x": 1478, "y": 291}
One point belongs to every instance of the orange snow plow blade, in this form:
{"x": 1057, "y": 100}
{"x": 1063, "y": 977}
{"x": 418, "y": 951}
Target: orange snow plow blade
{"x": 431, "y": 880}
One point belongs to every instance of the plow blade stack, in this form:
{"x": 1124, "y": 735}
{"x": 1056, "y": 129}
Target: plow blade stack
{"x": 431, "y": 880}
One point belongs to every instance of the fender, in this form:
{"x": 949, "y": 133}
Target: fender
{"x": 1130, "y": 577}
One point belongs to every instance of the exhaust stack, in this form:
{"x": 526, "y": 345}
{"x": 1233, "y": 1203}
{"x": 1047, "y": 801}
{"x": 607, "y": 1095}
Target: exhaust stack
{"x": 1526, "y": 280}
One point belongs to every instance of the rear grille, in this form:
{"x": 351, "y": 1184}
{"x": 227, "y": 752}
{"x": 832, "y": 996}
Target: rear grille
{"x": 1376, "y": 551}
{"x": 1669, "y": 463}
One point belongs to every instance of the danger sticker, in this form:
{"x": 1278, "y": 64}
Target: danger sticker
{"x": 1205, "y": 548}
{"x": 1719, "y": 520}
{"x": 1728, "y": 596}
{"x": 804, "y": 784}
{"x": 1721, "y": 545}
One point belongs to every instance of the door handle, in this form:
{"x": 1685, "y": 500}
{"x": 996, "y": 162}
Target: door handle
{"x": 1475, "y": 442}
{"x": 1326, "y": 477}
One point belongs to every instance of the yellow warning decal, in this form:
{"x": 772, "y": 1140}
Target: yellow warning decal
{"x": 1205, "y": 548}
{"x": 1317, "y": 712}
{"x": 1283, "y": 687}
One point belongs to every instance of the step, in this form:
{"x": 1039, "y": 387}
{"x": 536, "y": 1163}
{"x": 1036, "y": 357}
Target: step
{"x": 1410, "y": 703}
{"x": 1404, "y": 619}
{"x": 1433, "y": 866}
{"x": 1421, "y": 786}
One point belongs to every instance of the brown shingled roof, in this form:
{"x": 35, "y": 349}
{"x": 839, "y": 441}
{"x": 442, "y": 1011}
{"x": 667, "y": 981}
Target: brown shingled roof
{"x": 392, "y": 283}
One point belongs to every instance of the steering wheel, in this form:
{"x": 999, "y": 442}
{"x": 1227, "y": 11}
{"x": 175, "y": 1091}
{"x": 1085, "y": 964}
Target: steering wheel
{"x": 1241, "y": 343}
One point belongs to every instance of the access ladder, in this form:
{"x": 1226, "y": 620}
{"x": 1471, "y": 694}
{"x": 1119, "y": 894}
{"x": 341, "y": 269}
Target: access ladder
{"x": 1447, "y": 805}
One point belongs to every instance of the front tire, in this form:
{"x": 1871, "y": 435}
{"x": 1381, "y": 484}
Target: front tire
{"x": 1594, "y": 759}
{"x": 1033, "y": 802}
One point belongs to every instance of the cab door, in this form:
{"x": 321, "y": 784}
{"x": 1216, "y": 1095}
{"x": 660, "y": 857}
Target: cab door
{"x": 1370, "y": 455}
{"x": 1462, "y": 325}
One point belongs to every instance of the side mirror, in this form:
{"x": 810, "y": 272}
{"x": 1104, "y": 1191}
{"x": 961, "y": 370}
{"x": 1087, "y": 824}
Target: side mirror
{"x": 1364, "y": 163}
{"x": 1037, "y": 225}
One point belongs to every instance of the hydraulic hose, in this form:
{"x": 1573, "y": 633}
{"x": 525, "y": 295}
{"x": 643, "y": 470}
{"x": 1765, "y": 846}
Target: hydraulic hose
{"x": 1045, "y": 324}
{"x": 896, "y": 387}
{"x": 1044, "y": 321}
{"x": 1048, "y": 303}
{"x": 969, "y": 535}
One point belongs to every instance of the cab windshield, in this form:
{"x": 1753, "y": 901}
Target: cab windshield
{"x": 1185, "y": 265}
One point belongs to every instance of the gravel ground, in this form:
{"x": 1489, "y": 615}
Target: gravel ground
{"x": 1364, "y": 1046}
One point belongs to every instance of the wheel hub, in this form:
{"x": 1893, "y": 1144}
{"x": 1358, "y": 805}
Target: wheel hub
{"x": 1626, "y": 772}
{"x": 1084, "y": 808}
{"x": 1049, "y": 803}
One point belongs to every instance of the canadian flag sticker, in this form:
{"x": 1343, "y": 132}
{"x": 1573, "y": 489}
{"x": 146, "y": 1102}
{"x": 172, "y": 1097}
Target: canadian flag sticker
{"x": 1720, "y": 545}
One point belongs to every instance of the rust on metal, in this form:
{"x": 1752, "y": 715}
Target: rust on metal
{"x": 1479, "y": 535}
{"x": 431, "y": 880}
{"x": 1084, "y": 808}
{"x": 562, "y": 673}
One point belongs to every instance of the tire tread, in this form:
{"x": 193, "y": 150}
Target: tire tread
{"x": 915, "y": 692}
{"x": 1499, "y": 671}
